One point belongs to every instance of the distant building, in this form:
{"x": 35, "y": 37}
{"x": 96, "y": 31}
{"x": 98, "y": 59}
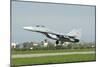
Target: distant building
{"x": 45, "y": 43}
{"x": 31, "y": 48}
{"x": 34, "y": 44}
{"x": 13, "y": 45}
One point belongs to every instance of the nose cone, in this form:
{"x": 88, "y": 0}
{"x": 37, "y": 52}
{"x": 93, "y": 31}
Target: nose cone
{"x": 27, "y": 28}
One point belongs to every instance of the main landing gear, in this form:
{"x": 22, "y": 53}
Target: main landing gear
{"x": 59, "y": 42}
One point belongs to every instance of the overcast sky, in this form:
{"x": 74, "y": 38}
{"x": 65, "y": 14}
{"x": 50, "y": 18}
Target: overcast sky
{"x": 59, "y": 17}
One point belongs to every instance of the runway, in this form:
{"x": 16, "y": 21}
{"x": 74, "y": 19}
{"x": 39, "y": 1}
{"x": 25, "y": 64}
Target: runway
{"x": 50, "y": 54}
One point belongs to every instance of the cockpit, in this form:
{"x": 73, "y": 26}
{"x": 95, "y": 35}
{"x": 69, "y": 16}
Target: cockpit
{"x": 40, "y": 26}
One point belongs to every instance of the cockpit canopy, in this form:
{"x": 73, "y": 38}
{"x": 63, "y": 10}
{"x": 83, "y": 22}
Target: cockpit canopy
{"x": 40, "y": 26}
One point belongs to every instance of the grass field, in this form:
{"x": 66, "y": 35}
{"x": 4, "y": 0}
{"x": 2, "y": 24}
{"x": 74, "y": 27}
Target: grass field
{"x": 53, "y": 59}
{"x": 50, "y": 51}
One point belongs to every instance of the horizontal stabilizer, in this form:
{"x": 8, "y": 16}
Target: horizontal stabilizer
{"x": 75, "y": 33}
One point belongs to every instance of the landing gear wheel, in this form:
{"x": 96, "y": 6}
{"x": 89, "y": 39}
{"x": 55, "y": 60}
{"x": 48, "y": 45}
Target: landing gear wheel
{"x": 57, "y": 42}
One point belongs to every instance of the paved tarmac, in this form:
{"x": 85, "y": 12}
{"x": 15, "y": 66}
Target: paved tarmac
{"x": 50, "y": 54}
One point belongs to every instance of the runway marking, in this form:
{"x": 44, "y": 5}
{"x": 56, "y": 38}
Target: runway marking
{"x": 50, "y": 54}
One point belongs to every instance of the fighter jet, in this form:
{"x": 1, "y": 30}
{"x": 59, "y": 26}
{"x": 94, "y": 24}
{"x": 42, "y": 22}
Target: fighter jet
{"x": 73, "y": 36}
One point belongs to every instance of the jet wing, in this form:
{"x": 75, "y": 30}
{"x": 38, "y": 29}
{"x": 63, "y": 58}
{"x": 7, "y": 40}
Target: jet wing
{"x": 42, "y": 30}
